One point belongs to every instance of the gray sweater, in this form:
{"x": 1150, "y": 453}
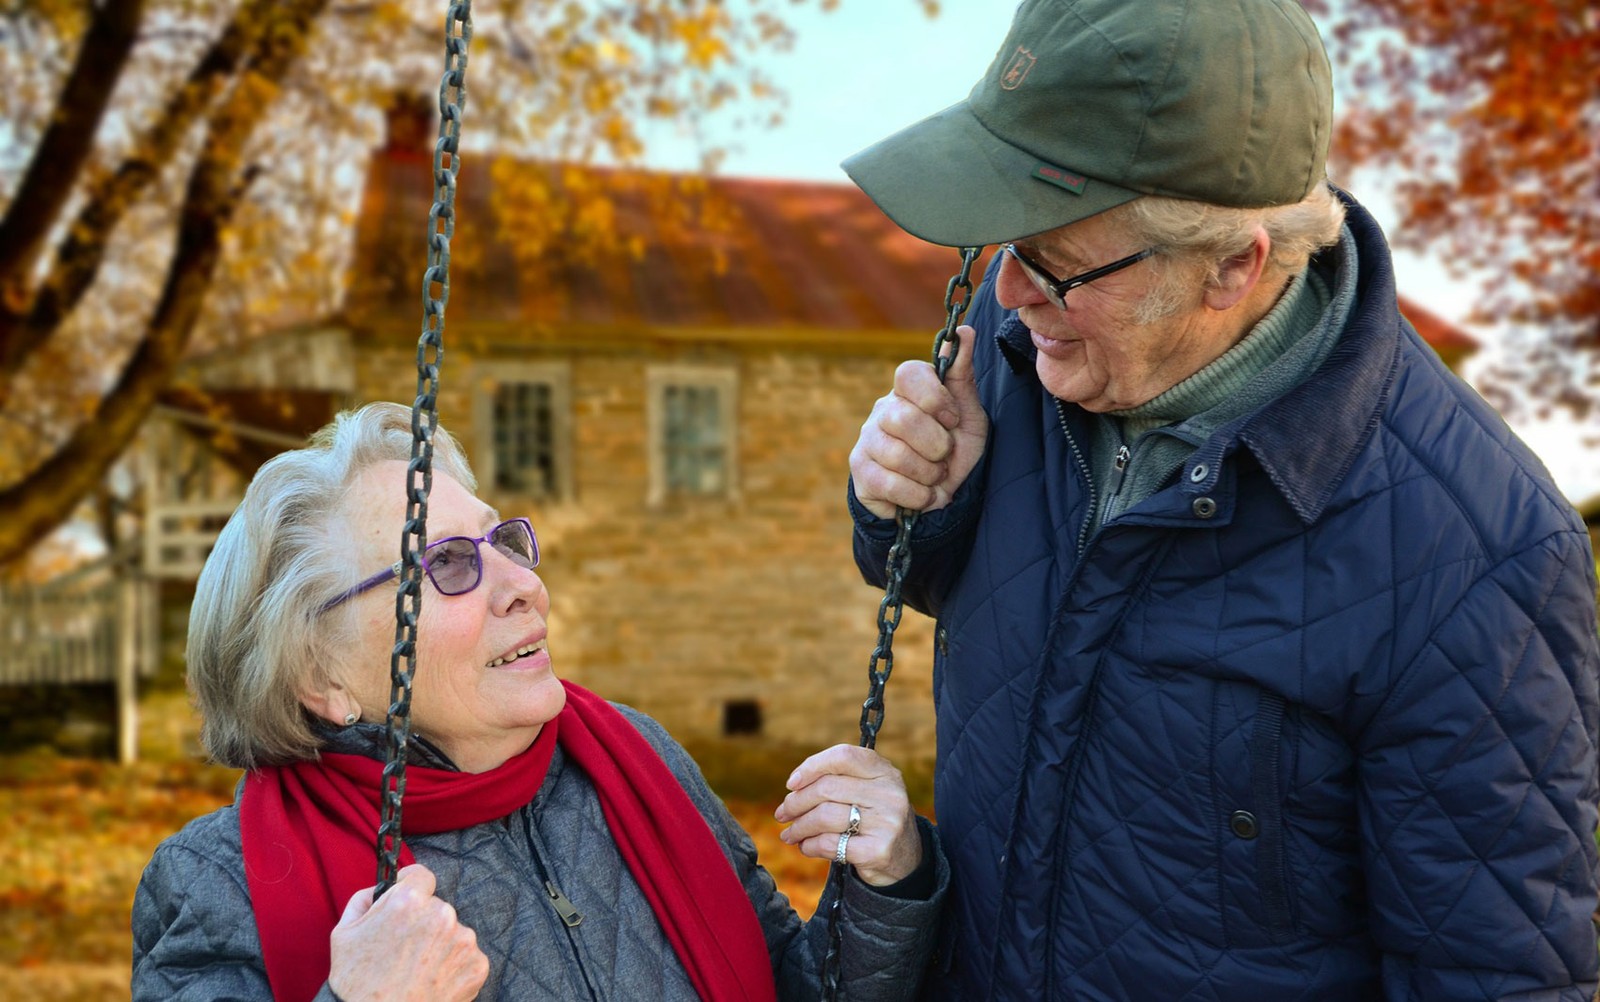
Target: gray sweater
{"x": 195, "y": 934}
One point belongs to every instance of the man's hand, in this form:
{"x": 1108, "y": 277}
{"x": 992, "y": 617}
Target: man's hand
{"x": 922, "y": 440}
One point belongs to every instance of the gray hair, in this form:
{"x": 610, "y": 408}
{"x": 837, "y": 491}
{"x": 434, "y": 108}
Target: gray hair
{"x": 257, "y": 635}
{"x": 1197, "y": 236}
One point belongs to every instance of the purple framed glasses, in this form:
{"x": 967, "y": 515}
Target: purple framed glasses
{"x": 1056, "y": 289}
{"x": 455, "y": 564}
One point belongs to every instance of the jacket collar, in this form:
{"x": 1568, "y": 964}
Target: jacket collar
{"x": 1343, "y": 400}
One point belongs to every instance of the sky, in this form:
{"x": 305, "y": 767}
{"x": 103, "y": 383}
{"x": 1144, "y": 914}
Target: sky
{"x": 871, "y": 67}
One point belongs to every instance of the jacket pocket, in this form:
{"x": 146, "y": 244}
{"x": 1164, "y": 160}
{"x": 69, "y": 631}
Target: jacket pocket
{"x": 1266, "y": 782}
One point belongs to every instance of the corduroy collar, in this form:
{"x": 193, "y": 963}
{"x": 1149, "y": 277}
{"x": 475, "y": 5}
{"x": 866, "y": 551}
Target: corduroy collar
{"x": 1344, "y": 400}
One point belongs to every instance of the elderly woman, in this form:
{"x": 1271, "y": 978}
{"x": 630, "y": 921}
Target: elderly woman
{"x": 563, "y": 847}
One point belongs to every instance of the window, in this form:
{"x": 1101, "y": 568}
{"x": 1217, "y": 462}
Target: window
{"x": 741, "y": 717}
{"x": 522, "y": 422}
{"x": 692, "y": 435}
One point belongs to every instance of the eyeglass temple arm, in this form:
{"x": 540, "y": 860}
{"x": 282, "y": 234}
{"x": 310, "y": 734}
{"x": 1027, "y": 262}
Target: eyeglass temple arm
{"x": 1101, "y": 272}
{"x": 392, "y": 571}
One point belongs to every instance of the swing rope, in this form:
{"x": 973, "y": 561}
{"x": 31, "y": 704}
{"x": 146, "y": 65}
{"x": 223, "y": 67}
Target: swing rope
{"x": 891, "y": 607}
{"x": 424, "y": 422}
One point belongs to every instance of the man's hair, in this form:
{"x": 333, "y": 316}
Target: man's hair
{"x": 257, "y": 635}
{"x": 1199, "y": 235}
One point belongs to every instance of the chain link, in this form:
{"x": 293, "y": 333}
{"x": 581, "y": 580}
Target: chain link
{"x": 892, "y": 605}
{"x": 424, "y": 422}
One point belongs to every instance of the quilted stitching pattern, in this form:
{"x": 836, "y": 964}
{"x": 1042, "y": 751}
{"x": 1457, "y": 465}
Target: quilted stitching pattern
{"x": 1430, "y": 626}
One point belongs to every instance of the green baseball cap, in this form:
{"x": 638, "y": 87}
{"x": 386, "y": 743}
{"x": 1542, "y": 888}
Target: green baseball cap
{"x": 1092, "y": 103}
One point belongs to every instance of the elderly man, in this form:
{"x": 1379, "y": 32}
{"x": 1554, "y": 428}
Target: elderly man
{"x": 1266, "y": 660}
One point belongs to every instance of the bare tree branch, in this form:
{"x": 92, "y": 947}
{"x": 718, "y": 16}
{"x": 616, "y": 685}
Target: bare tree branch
{"x": 82, "y": 251}
{"x": 46, "y": 498}
{"x": 65, "y": 145}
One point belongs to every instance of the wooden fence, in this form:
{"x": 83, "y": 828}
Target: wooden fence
{"x": 95, "y": 625}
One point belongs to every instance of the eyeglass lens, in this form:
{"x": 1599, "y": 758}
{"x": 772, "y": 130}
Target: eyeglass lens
{"x": 455, "y": 564}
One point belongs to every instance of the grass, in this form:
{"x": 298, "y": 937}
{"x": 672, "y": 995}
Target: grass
{"x": 80, "y": 831}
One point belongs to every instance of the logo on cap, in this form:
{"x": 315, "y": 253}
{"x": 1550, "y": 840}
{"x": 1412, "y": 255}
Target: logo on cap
{"x": 1016, "y": 71}
{"x": 1060, "y": 177}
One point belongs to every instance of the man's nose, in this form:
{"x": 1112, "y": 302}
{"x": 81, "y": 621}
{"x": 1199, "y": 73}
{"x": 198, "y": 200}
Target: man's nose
{"x": 1013, "y": 289}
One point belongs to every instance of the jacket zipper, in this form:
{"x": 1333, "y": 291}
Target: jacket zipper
{"x": 563, "y": 905}
{"x": 1120, "y": 465}
{"x": 568, "y": 912}
{"x": 1088, "y": 478}
{"x": 1051, "y": 635}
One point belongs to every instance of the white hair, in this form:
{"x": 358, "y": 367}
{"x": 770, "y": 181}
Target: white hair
{"x": 257, "y": 635}
{"x": 1196, "y": 237}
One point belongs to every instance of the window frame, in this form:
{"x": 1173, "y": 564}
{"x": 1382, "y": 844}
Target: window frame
{"x": 722, "y": 378}
{"x": 489, "y": 378}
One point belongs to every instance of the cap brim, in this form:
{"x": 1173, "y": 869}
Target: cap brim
{"x": 949, "y": 180}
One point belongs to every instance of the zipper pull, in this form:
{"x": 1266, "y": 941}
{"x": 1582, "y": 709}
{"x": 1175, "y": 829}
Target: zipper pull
{"x": 1119, "y": 466}
{"x": 564, "y": 907}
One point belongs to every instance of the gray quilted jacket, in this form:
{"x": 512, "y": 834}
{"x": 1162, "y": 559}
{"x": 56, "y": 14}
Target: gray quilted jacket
{"x": 195, "y": 935}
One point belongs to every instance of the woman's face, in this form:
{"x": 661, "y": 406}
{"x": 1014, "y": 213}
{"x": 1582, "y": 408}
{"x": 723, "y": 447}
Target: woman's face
{"x": 483, "y": 686}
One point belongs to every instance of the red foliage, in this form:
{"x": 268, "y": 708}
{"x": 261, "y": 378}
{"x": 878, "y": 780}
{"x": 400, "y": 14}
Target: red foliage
{"x": 1490, "y": 115}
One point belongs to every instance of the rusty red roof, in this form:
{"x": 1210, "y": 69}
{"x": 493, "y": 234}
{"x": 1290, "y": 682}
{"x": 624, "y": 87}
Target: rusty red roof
{"x": 751, "y": 253}
{"x": 772, "y": 254}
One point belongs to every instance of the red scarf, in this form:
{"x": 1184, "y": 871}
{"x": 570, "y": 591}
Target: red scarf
{"x": 309, "y": 833}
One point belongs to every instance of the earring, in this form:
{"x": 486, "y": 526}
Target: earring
{"x": 352, "y": 717}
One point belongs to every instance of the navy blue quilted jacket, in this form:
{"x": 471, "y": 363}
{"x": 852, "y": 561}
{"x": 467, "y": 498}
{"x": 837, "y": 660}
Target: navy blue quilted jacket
{"x": 1317, "y": 721}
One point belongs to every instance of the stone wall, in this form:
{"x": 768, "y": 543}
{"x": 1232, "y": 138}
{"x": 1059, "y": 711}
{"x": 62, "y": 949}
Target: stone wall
{"x": 688, "y": 605}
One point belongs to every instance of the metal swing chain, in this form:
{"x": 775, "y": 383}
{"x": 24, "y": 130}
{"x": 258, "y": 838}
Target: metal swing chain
{"x": 892, "y": 605}
{"x": 424, "y": 422}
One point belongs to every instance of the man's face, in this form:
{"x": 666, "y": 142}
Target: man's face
{"x": 1098, "y": 353}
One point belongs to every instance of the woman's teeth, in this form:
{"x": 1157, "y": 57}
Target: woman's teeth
{"x": 518, "y": 653}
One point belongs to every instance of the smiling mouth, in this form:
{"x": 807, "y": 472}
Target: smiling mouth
{"x": 516, "y": 655}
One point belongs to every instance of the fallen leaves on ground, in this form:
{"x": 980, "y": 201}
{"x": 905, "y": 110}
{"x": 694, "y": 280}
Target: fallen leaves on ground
{"x": 81, "y": 832}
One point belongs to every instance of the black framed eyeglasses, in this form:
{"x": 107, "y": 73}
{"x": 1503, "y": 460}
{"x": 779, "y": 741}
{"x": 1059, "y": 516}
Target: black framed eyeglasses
{"x": 455, "y": 564}
{"x": 1056, "y": 289}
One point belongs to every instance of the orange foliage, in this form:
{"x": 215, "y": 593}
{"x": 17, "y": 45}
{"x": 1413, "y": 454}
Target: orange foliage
{"x": 141, "y": 247}
{"x": 1490, "y": 114}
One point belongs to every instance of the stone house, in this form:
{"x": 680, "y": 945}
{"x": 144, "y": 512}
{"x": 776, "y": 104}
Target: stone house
{"x": 675, "y": 416}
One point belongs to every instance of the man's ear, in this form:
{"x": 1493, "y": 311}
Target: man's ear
{"x": 1239, "y": 275}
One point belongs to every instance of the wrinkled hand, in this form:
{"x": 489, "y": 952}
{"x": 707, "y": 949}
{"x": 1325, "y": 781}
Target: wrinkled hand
{"x": 406, "y": 945}
{"x": 887, "y": 847}
{"x": 922, "y": 440}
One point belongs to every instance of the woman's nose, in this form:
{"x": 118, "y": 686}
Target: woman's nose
{"x": 1013, "y": 289}
{"x": 513, "y": 586}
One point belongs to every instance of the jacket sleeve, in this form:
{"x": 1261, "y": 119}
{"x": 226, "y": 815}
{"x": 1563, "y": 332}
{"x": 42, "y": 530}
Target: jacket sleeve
{"x": 1478, "y": 791}
{"x": 194, "y": 933}
{"x": 940, "y": 542}
{"x": 887, "y": 941}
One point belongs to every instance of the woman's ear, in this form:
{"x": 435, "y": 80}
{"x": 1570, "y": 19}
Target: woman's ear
{"x": 330, "y": 701}
{"x": 1237, "y": 276}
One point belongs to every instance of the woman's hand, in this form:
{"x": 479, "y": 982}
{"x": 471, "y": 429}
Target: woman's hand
{"x": 886, "y": 848}
{"x": 406, "y": 945}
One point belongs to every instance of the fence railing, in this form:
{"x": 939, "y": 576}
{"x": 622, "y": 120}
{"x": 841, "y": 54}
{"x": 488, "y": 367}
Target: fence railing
{"x": 95, "y": 625}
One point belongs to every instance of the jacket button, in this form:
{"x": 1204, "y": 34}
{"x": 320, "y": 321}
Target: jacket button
{"x": 1243, "y": 824}
{"x": 941, "y": 640}
{"x": 1204, "y": 507}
